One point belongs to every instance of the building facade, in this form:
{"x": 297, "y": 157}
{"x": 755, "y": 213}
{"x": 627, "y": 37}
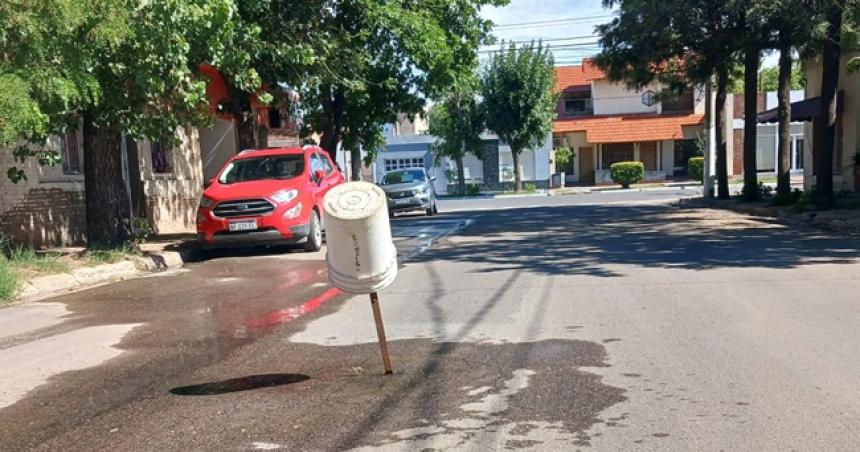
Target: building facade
{"x": 603, "y": 123}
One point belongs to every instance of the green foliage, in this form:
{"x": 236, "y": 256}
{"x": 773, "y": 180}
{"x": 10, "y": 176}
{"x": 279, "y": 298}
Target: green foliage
{"x": 26, "y": 258}
{"x": 457, "y": 122}
{"x": 563, "y": 155}
{"x": 627, "y": 173}
{"x": 529, "y": 187}
{"x": 804, "y": 201}
{"x": 110, "y": 255}
{"x": 9, "y": 281}
{"x": 769, "y": 78}
{"x": 361, "y": 63}
{"x": 762, "y": 191}
{"x": 696, "y": 168}
{"x": 517, "y": 89}
{"x": 473, "y": 190}
{"x": 788, "y": 199}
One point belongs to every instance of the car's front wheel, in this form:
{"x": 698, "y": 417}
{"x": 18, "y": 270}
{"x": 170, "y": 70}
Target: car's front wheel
{"x": 314, "y": 242}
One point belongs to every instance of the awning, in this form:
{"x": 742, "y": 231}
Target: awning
{"x": 629, "y": 128}
{"x": 801, "y": 111}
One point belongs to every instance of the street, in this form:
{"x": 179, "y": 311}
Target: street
{"x": 607, "y": 321}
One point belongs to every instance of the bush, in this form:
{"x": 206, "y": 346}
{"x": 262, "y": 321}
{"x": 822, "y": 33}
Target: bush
{"x": 529, "y": 187}
{"x": 473, "y": 190}
{"x": 626, "y": 173}
{"x": 696, "y": 168}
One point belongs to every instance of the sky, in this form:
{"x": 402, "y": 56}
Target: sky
{"x": 566, "y": 25}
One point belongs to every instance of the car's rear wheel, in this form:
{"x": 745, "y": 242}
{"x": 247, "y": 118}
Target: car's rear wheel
{"x": 432, "y": 210}
{"x": 314, "y": 242}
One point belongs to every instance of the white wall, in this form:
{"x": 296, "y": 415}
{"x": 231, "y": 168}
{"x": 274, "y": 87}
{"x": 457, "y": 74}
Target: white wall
{"x": 667, "y": 157}
{"x": 614, "y": 98}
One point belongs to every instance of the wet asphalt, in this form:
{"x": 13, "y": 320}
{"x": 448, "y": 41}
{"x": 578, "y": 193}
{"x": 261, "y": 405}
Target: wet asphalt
{"x": 602, "y": 321}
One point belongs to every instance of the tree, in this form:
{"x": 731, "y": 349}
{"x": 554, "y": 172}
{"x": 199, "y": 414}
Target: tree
{"x": 458, "y": 122}
{"x": 675, "y": 43}
{"x": 360, "y": 63}
{"x": 769, "y": 77}
{"x": 124, "y": 68}
{"x": 517, "y": 90}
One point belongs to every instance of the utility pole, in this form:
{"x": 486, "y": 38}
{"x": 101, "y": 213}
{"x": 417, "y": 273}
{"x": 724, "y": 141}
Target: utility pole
{"x": 710, "y": 168}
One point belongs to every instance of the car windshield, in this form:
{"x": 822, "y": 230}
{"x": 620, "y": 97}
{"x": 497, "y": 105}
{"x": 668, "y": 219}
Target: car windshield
{"x": 403, "y": 177}
{"x": 260, "y": 168}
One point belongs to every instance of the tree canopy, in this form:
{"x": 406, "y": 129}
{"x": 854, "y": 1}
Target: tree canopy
{"x": 458, "y": 122}
{"x": 517, "y": 88}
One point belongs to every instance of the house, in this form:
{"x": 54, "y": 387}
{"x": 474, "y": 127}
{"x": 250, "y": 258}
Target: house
{"x": 603, "y": 122}
{"x": 493, "y": 172}
{"x": 164, "y": 181}
{"x": 766, "y": 134}
{"x": 847, "y": 143}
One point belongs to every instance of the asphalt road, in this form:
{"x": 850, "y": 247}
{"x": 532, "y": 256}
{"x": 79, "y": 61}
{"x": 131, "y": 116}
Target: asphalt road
{"x": 605, "y": 321}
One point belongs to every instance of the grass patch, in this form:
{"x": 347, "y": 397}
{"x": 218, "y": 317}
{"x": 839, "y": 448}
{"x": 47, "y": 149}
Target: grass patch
{"x": 28, "y": 259}
{"x": 99, "y": 256}
{"x": 10, "y": 281}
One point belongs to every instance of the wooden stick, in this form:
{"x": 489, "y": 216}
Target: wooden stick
{"x": 380, "y": 333}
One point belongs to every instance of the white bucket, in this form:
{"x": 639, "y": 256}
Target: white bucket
{"x": 361, "y": 255}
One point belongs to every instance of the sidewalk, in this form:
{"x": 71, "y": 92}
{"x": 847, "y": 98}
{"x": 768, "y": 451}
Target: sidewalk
{"x": 159, "y": 254}
{"x": 837, "y": 220}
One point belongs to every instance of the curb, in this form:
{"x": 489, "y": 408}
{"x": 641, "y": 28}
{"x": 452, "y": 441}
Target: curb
{"x": 84, "y": 278}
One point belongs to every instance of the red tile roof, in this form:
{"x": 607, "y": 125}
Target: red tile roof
{"x": 570, "y": 76}
{"x": 629, "y": 128}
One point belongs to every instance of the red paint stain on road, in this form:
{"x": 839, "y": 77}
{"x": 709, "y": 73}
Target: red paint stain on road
{"x": 286, "y": 315}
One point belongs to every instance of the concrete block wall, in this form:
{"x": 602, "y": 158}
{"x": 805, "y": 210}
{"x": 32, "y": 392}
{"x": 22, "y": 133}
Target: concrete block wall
{"x": 172, "y": 198}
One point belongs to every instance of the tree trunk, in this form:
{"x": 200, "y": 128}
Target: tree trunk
{"x": 824, "y": 125}
{"x": 355, "y": 164}
{"x": 720, "y": 124}
{"x": 751, "y": 63}
{"x": 783, "y": 171}
{"x": 108, "y": 211}
{"x": 332, "y": 129}
{"x": 461, "y": 177}
{"x": 518, "y": 176}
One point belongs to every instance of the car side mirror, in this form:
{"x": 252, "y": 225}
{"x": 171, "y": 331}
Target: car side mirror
{"x": 433, "y": 179}
{"x": 319, "y": 175}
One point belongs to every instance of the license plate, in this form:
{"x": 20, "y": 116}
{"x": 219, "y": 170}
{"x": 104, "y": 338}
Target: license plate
{"x": 244, "y": 225}
{"x": 402, "y": 201}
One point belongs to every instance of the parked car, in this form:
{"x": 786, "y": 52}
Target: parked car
{"x": 271, "y": 196}
{"x": 409, "y": 190}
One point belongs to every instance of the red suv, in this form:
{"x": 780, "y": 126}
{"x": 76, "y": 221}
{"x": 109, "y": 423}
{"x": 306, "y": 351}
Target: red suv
{"x": 269, "y": 196}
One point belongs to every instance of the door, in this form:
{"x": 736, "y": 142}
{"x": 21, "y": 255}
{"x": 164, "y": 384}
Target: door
{"x": 586, "y": 165}
{"x": 648, "y": 155}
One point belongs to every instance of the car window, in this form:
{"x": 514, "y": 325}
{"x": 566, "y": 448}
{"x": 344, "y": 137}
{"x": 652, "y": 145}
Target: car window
{"x": 323, "y": 163}
{"x": 403, "y": 177}
{"x": 260, "y": 168}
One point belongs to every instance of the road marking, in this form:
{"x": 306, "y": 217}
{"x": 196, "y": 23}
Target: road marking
{"x": 287, "y": 315}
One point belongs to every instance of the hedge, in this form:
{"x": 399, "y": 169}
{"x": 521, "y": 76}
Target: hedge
{"x": 696, "y": 168}
{"x": 626, "y": 173}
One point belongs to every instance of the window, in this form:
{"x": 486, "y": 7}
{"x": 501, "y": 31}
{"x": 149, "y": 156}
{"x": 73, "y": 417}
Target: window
{"x": 616, "y": 152}
{"x": 798, "y": 153}
{"x": 578, "y": 103}
{"x": 160, "y": 157}
{"x": 324, "y": 164}
{"x": 404, "y": 163}
{"x": 765, "y": 145}
{"x": 280, "y": 167}
{"x": 404, "y": 177}
{"x": 682, "y": 103}
{"x": 70, "y": 151}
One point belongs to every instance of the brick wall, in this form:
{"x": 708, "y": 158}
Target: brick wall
{"x": 48, "y": 209}
{"x": 738, "y": 135}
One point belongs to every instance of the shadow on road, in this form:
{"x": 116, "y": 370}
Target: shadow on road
{"x": 585, "y": 240}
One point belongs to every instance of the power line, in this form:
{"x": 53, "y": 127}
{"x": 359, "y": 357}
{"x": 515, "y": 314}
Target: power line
{"x": 562, "y": 47}
{"x": 552, "y": 21}
{"x": 529, "y": 41}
